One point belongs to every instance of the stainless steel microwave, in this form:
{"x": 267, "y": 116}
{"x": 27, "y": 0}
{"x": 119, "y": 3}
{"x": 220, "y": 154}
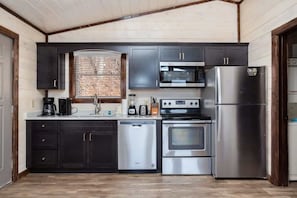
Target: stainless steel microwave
{"x": 182, "y": 74}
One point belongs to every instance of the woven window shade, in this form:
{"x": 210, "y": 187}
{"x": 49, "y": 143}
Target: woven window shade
{"x": 97, "y": 72}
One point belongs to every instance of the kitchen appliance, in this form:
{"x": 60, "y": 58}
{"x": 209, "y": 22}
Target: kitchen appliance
{"x": 65, "y": 107}
{"x": 186, "y": 137}
{"x": 49, "y": 108}
{"x": 143, "y": 110}
{"x": 131, "y": 101}
{"x": 234, "y": 97}
{"x": 182, "y": 74}
{"x": 137, "y": 147}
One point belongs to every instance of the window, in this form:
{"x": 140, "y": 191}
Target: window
{"x": 98, "y": 72}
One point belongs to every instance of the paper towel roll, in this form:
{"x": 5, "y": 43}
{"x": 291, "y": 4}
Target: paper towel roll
{"x": 124, "y": 106}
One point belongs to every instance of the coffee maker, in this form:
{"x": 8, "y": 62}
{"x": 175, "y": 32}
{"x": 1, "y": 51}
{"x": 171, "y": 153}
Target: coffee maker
{"x": 49, "y": 108}
{"x": 65, "y": 107}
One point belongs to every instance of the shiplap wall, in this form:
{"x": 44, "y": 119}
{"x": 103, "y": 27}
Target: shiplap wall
{"x": 208, "y": 22}
{"x": 27, "y": 74}
{"x": 258, "y": 19}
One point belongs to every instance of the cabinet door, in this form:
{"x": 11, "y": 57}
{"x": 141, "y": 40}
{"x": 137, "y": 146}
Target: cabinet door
{"x": 143, "y": 68}
{"x": 193, "y": 54}
{"x": 102, "y": 151}
{"x": 170, "y": 54}
{"x": 214, "y": 56}
{"x": 73, "y": 145}
{"x": 50, "y": 68}
{"x": 237, "y": 55}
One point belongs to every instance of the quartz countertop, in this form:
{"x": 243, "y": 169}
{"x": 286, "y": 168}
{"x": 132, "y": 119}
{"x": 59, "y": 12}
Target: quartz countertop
{"x": 90, "y": 116}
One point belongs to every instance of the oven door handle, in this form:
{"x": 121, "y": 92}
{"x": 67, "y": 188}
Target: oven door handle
{"x": 187, "y": 125}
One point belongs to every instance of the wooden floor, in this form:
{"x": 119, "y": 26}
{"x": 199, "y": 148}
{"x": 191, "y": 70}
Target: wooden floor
{"x": 139, "y": 185}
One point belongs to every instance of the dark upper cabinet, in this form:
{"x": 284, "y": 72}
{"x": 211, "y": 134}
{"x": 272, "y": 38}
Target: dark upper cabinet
{"x": 50, "y": 68}
{"x": 144, "y": 68}
{"x": 226, "y": 55}
{"x": 89, "y": 145}
{"x": 177, "y": 53}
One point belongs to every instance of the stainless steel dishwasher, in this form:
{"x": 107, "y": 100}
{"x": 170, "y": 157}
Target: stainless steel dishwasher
{"x": 137, "y": 147}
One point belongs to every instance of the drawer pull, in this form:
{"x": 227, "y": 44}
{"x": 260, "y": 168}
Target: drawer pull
{"x": 43, "y": 125}
{"x": 43, "y": 159}
{"x": 43, "y": 140}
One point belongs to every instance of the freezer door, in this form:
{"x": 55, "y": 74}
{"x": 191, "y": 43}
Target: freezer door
{"x": 240, "y": 150}
{"x": 240, "y": 85}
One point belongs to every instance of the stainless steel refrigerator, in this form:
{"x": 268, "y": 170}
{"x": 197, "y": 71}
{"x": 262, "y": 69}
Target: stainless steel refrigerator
{"x": 234, "y": 97}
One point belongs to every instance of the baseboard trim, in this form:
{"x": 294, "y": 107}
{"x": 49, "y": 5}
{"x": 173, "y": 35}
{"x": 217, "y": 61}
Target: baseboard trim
{"x": 23, "y": 174}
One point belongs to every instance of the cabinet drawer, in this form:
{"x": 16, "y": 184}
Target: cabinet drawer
{"x": 44, "y": 140}
{"x": 44, "y": 159}
{"x": 44, "y": 126}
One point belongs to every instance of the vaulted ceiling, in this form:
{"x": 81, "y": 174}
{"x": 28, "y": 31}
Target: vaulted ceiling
{"x": 52, "y": 16}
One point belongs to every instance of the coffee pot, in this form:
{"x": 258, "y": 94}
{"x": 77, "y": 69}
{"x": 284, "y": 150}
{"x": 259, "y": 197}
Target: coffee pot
{"x": 49, "y": 108}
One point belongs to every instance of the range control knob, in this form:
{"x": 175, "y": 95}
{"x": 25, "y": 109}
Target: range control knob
{"x": 191, "y": 103}
{"x": 169, "y": 103}
{"x": 196, "y": 103}
{"x": 165, "y": 103}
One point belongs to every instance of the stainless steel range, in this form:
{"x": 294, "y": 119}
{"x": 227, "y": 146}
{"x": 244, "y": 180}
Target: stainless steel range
{"x": 186, "y": 137}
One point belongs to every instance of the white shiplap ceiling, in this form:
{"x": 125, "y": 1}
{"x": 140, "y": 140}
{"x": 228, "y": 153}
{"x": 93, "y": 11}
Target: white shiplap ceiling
{"x": 57, "y": 15}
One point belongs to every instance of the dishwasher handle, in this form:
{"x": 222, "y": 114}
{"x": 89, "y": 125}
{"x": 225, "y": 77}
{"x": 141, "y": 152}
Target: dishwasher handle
{"x": 136, "y": 125}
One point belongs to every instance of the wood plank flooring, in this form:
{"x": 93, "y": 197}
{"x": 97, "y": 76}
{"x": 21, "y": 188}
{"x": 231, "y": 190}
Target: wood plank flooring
{"x": 89, "y": 185}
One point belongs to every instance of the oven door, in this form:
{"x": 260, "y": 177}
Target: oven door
{"x": 183, "y": 138}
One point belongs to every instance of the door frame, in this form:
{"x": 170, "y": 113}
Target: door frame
{"x": 279, "y": 111}
{"x": 15, "y": 98}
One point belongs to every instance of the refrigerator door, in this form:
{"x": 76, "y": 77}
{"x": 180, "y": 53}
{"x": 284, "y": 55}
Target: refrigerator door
{"x": 240, "y": 141}
{"x": 240, "y": 85}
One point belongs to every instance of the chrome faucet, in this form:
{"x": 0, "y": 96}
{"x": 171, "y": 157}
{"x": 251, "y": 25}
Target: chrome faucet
{"x": 97, "y": 104}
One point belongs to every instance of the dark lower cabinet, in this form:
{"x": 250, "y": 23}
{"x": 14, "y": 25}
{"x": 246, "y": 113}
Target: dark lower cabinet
{"x": 89, "y": 145}
{"x": 72, "y": 146}
{"x": 42, "y": 145}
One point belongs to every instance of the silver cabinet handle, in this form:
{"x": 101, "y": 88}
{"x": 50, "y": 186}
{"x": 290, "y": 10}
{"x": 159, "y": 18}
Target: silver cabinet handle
{"x": 84, "y": 137}
{"x": 43, "y": 126}
{"x": 43, "y": 159}
{"x": 227, "y": 60}
{"x": 157, "y": 83}
{"x": 224, "y": 61}
{"x": 179, "y": 56}
{"x": 183, "y": 56}
{"x": 43, "y": 140}
{"x": 90, "y": 137}
{"x": 55, "y": 83}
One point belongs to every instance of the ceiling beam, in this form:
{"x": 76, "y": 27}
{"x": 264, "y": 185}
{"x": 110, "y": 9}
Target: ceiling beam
{"x": 21, "y": 18}
{"x": 130, "y": 16}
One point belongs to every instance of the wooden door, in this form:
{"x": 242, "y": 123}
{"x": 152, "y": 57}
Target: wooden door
{"x": 5, "y": 109}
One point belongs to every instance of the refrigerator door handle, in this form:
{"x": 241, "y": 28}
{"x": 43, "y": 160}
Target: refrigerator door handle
{"x": 218, "y": 121}
{"x": 218, "y": 85}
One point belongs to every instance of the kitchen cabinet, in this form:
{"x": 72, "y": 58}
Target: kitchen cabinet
{"x": 185, "y": 53}
{"x": 226, "y": 55}
{"x": 42, "y": 144}
{"x": 144, "y": 67}
{"x": 89, "y": 145}
{"x": 50, "y": 68}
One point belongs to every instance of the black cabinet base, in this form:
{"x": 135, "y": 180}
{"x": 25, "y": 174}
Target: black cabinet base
{"x": 36, "y": 170}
